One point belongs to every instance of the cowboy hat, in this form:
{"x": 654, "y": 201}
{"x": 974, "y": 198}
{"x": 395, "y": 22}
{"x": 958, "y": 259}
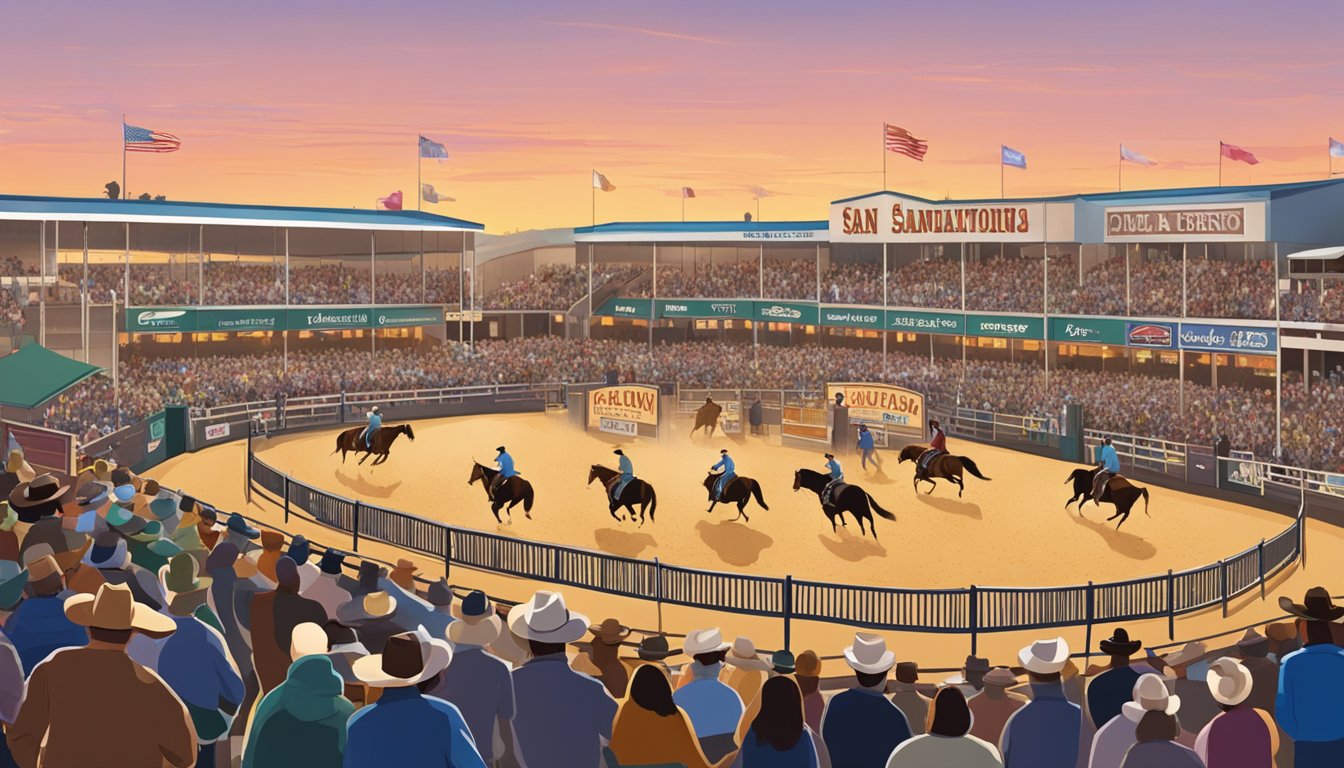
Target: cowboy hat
{"x": 619, "y": 452}
{"x": 783, "y": 662}
{"x": 15, "y": 461}
{"x": 1229, "y": 681}
{"x": 808, "y": 664}
{"x": 115, "y": 608}
{"x": 102, "y": 469}
{"x": 108, "y": 552}
{"x": 91, "y": 495}
{"x": 1119, "y": 644}
{"x": 976, "y": 664}
{"x": 545, "y": 619}
{"x": 42, "y": 568}
{"x": 1000, "y": 677}
{"x": 13, "y": 578}
{"x": 869, "y": 654}
{"x": 479, "y": 622}
{"x": 828, "y": 455}
{"x": 125, "y": 493}
{"x": 307, "y": 639}
{"x": 299, "y": 549}
{"x": 378, "y": 605}
{"x": 653, "y": 648}
{"x": 163, "y": 509}
{"x": 43, "y": 489}
{"x": 1188, "y": 654}
{"x": 439, "y": 594}
{"x": 181, "y": 575}
{"x": 408, "y": 659}
{"x": 1253, "y": 644}
{"x": 704, "y": 641}
{"x": 609, "y": 632}
{"x": 1150, "y": 695}
{"x": 1044, "y": 657}
{"x": 743, "y": 655}
{"x": 331, "y": 562}
{"x": 1316, "y": 606}
{"x": 500, "y": 449}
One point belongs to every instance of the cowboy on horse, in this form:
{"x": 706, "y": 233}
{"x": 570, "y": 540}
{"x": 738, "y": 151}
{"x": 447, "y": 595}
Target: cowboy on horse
{"x": 627, "y": 474}
{"x": 506, "y": 470}
{"x": 937, "y": 447}
{"x": 837, "y": 477}
{"x": 1109, "y": 467}
{"x": 375, "y": 424}
{"x": 725, "y": 477}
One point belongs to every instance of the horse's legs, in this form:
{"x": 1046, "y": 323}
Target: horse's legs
{"x": 833, "y": 528}
{"x": 631, "y": 507}
{"x": 961, "y": 485}
{"x": 742, "y": 510}
{"x": 366, "y": 457}
{"x": 612, "y": 509}
{"x": 932, "y": 485}
{"x": 712, "y": 503}
{"x": 495, "y": 509}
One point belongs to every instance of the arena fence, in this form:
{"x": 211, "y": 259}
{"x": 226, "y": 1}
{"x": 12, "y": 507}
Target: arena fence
{"x": 970, "y": 610}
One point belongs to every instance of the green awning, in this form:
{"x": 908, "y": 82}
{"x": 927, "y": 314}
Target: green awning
{"x": 35, "y": 374}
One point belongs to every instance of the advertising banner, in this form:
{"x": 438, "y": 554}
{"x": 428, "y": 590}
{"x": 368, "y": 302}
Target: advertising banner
{"x": 249, "y": 319}
{"x": 329, "y": 318}
{"x": 636, "y": 403}
{"x": 703, "y": 308}
{"x": 240, "y": 320}
{"x": 160, "y": 320}
{"x": 1087, "y": 330}
{"x": 900, "y": 410}
{"x": 950, "y": 323}
{"x": 1202, "y": 223}
{"x": 853, "y": 317}
{"x": 1006, "y": 326}
{"x": 407, "y": 317}
{"x": 1229, "y": 338}
{"x": 787, "y": 312}
{"x": 623, "y": 307}
{"x": 1151, "y": 335}
{"x": 618, "y": 427}
{"x": 217, "y": 431}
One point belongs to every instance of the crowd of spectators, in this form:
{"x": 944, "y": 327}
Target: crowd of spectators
{"x": 1004, "y": 284}
{"x": 555, "y": 286}
{"x": 1240, "y": 289}
{"x": 706, "y": 281}
{"x": 1099, "y": 290}
{"x": 856, "y": 282}
{"x": 1307, "y": 302}
{"x": 793, "y": 279}
{"x": 139, "y": 626}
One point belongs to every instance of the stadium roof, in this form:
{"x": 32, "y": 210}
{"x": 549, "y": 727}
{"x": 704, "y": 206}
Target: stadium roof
{"x": 687, "y": 231}
{"x": 1257, "y": 191}
{"x": 35, "y": 374}
{"x": 30, "y": 208}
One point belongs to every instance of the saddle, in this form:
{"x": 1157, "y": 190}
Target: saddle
{"x": 926, "y": 458}
{"x": 836, "y": 490}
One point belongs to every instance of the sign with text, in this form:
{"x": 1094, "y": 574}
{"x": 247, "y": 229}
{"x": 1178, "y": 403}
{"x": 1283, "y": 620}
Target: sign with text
{"x": 1188, "y": 223}
{"x": 1229, "y": 338}
{"x": 407, "y": 317}
{"x": 1005, "y": 326}
{"x": 623, "y": 307}
{"x": 899, "y": 410}
{"x": 853, "y": 317}
{"x": 240, "y": 320}
{"x": 703, "y": 308}
{"x": 1087, "y": 330}
{"x": 618, "y": 427}
{"x": 950, "y": 323}
{"x": 627, "y": 402}
{"x": 888, "y": 218}
{"x": 160, "y": 320}
{"x": 252, "y": 319}
{"x": 217, "y": 431}
{"x": 787, "y": 312}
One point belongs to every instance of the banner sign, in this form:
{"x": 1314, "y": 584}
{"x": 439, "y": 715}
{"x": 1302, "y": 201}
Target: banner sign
{"x": 471, "y": 317}
{"x": 627, "y": 402}
{"x": 623, "y": 307}
{"x": 217, "y": 431}
{"x": 899, "y": 410}
{"x": 787, "y": 312}
{"x": 1213, "y": 221}
{"x": 851, "y": 317}
{"x": 240, "y": 320}
{"x": 160, "y": 320}
{"x": 250, "y": 319}
{"x": 329, "y": 318}
{"x": 407, "y": 317}
{"x": 618, "y": 427}
{"x": 1006, "y": 326}
{"x": 1087, "y": 330}
{"x": 704, "y": 308}
{"x": 1229, "y": 338}
{"x": 885, "y": 217}
{"x": 952, "y": 324}
{"x": 1151, "y": 335}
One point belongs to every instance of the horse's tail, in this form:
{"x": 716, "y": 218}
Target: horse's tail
{"x": 339, "y": 438}
{"x": 1144, "y": 491}
{"x": 527, "y": 496}
{"x": 970, "y": 467}
{"x": 882, "y": 513}
{"x": 756, "y": 491}
{"x": 653, "y": 500}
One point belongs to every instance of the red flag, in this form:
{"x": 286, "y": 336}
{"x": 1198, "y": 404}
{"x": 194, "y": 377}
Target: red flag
{"x": 687, "y": 192}
{"x": 392, "y": 202}
{"x": 1233, "y": 152}
{"x": 901, "y": 141}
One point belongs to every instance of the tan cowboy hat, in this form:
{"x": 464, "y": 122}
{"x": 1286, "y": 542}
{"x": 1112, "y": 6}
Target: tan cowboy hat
{"x": 114, "y": 608}
{"x": 1229, "y": 681}
{"x": 610, "y": 632}
{"x": 1150, "y": 695}
{"x": 704, "y": 641}
{"x": 545, "y": 619}
{"x": 743, "y": 655}
{"x": 378, "y": 605}
{"x": 408, "y": 659}
{"x": 869, "y": 654}
{"x": 478, "y": 622}
{"x": 42, "y": 489}
{"x": 1045, "y": 657}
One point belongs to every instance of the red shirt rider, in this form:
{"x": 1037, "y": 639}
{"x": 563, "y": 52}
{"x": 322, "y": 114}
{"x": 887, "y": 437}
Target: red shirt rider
{"x": 939, "y": 441}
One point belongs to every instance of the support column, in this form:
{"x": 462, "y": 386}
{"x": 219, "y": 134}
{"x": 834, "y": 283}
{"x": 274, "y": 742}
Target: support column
{"x": 588, "y": 326}
{"x": 200, "y": 263}
{"x": 284, "y": 334}
{"x": 373, "y": 288}
{"x": 42, "y": 286}
{"x": 653, "y": 305}
{"x": 1278, "y": 371}
{"x": 84, "y": 300}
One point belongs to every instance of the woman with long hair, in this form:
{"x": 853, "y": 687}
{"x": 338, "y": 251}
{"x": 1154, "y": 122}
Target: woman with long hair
{"x": 650, "y": 728}
{"x": 778, "y": 737}
{"x": 948, "y": 740}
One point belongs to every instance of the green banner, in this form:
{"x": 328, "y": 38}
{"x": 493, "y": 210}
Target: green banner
{"x": 950, "y": 323}
{"x": 240, "y": 320}
{"x": 787, "y": 312}
{"x": 407, "y": 317}
{"x": 329, "y": 318}
{"x": 160, "y": 320}
{"x": 248, "y": 319}
{"x": 1087, "y": 330}
{"x": 623, "y": 307}
{"x": 703, "y": 308}
{"x": 853, "y": 317}
{"x": 1005, "y": 326}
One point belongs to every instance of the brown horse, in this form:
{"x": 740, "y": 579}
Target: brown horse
{"x": 738, "y": 491}
{"x": 946, "y": 466}
{"x": 1118, "y": 491}
{"x": 635, "y": 492}
{"x": 353, "y": 440}
{"x": 510, "y": 492}
{"x": 707, "y": 417}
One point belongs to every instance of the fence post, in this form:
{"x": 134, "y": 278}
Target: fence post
{"x": 286, "y": 479}
{"x": 1302, "y": 531}
{"x": 447, "y": 552}
{"x": 1222, "y": 581}
{"x": 354, "y": 532}
{"x": 658, "y": 591}
{"x": 975, "y": 617}
{"x": 555, "y": 563}
{"x": 1260, "y": 557}
{"x": 247, "y": 467}
{"x": 1171, "y": 605}
{"x": 788, "y": 608}
{"x": 1091, "y": 616}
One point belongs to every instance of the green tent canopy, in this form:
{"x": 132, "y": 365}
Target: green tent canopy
{"x": 35, "y": 374}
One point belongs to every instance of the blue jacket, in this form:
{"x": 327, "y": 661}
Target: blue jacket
{"x": 1109, "y": 459}
{"x": 194, "y": 663}
{"x": 866, "y": 441}
{"x": 39, "y": 627}
{"x": 713, "y": 706}
{"x": 726, "y": 462}
{"x": 836, "y": 474}
{"x": 375, "y": 422}
{"x": 861, "y": 727}
{"x": 1044, "y": 733}
{"x": 505, "y": 462}
{"x": 627, "y": 466}
{"x": 562, "y": 715}
{"x": 1308, "y": 702}
{"x": 802, "y": 754}
{"x": 406, "y": 728}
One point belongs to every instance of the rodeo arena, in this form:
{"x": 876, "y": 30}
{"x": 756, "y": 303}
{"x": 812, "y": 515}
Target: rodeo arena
{"x": 992, "y": 482}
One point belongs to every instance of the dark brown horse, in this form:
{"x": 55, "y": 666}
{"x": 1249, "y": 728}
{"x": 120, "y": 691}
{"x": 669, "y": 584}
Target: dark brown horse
{"x": 707, "y": 417}
{"x": 635, "y": 492}
{"x": 739, "y": 491}
{"x": 353, "y": 440}
{"x": 848, "y": 498}
{"x": 510, "y": 492}
{"x": 946, "y": 466}
{"x": 1118, "y": 491}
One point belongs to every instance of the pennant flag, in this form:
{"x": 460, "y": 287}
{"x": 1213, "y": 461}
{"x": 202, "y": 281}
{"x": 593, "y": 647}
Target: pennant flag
{"x": 687, "y": 192}
{"x": 1012, "y": 157}
{"x": 432, "y": 195}
{"x": 1130, "y": 156}
{"x": 1233, "y": 152}
{"x": 432, "y": 150}
{"x": 1336, "y": 148}
{"x": 144, "y": 140}
{"x": 600, "y": 182}
{"x": 758, "y": 192}
{"x": 392, "y": 202}
{"x": 901, "y": 142}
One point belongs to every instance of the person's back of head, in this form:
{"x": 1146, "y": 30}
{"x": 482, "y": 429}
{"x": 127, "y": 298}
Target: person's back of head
{"x": 949, "y": 714}
{"x": 650, "y": 690}
{"x": 780, "y": 721}
{"x": 710, "y": 659}
{"x": 871, "y": 679}
{"x": 540, "y": 649}
{"x": 1157, "y": 725}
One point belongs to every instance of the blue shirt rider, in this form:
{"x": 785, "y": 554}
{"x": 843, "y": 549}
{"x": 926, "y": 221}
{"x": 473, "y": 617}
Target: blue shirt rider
{"x": 1110, "y": 467}
{"x": 627, "y": 474}
{"x": 375, "y": 424}
{"x": 506, "y": 470}
{"x": 837, "y": 477}
{"x": 729, "y": 472}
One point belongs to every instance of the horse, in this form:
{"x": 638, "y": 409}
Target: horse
{"x": 1118, "y": 491}
{"x": 738, "y": 491}
{"x": 636, "y": 492}
{"x": 707, "y": 416}
{"x": 353, "y": 440}
{"x": 946, "y": 466}
{"x": 848, "y": 498}
{"x": 511, "y": 491}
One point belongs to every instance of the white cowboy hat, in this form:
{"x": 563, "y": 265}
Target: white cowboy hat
{"x": 308, "y": 639}
{"x": 1150, "y": 695}
{"x": 869, "y": 654}
{"x": 704, "y": 641}
{"x": 409, "y": 658}
{"x": 545, "y": 619}
{"x": 1044, "y": 657}
{"x": 743, "y": 655}
{"x": 1229, "y": 681}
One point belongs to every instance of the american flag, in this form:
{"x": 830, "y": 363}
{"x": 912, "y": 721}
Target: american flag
{"x": 144, "y": 140}
{"x": 900, "y": 141}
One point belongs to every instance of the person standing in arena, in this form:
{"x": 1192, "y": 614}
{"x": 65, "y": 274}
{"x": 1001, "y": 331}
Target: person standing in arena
{"x": 725, "y": 477}
{"x": 627, "y": 468}
{"x": 506, "y": 469}
{"x": 1110, "y": 467}
{"x": 866, "y": 447}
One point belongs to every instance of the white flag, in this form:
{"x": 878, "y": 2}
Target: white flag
{"x": 600, "y": 182}
{"x": 431, "y": 195}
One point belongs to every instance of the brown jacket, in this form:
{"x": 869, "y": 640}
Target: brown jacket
{"x": 274, "y": 617}
{"x": 111, "y": 710}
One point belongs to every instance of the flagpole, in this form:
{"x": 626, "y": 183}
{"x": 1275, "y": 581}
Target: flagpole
{"x": 123, "y": 155}
{"x": 594, "y": 186}
{"x": 1119, "y": 169}
{"x": 683, "y": 206}
{"x": 884, "y": 157}
{"x": 1001, "y": 195}
{"x": 419, "y": 185}
{"x": 1220, "y": 163}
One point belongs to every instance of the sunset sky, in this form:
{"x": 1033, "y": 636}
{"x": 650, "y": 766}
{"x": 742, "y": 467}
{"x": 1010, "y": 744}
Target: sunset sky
{"x": 319, "y": 103}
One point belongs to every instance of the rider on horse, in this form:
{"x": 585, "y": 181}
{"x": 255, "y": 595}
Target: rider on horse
{"x": 937, "y": 447}
{"x": 729, "y": 472}
{"x": 375, "y": 424}
{"x": 627, "y": 474}
{"x": 837, "y": 477}
{"x": 1110, "y": 467}
{"x": 506, "y": 470}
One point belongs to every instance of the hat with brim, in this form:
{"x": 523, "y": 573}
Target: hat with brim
{"x": 165, "y": 548}
{"x": 1000, "y": 677}
{"x": 124, "y": 520}
{"x": 43, "y": 489}
{"x": 407, "y": 659}
{"x": 150, "y": 532}
{"x": 482, "y": 632}
{"x": 1316, "y": 606}
{"x": 378, "y": 605}
{"x": 704, "y": 641}
{"x": 124, "y": 493}
{"x": 653, "y": 648}
{"x": 13, "y": 578}
{"x": 91, "y": 495}
{"x": 1253, "y": 643}
{"x": 1188, "y": 654}
{"x": 1150, "y": 695}
{"x": 1119, "y": 644}
{"x": 107, "y": 553}
{"x": 610, "y": 632}
{"x": 331, "y": 562}
{"x": 1044, "y": 657}
{"x": 1229, "y": 681}
{"x": 238, "y": 524}
{"x": 783, "y": 662}
{"x": 115, "y": 608}
{"x": 163, "y": 508}
{"x": 869, "y": 654}
{"x": 546, "y": 619}
{"x": 181, "y": 575}
{"x": 743, "y": 655}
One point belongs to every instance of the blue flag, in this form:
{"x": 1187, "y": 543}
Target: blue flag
{"x": 1013, "y": 157}
{"x": 432, "y": 150}
{"x": 1336, "y": 148}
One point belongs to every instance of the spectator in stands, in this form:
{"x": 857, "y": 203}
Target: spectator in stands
{"x": 271, "y": 544}
{"x": 949, "y": 740}
{"x": 747, "y": 670}
{"x": 1253, "y": 648}
{"x": 40, "y": 625}
{"x": 907, "y": 697}
{"x": 808, "y": 675}
{"x": 715, "y": 709}
{"x": 1114, "y": 739}
{"x": 1045, "y": 733}
{"x": 11, "y": 693}
{"x": 109, "y": 558}
{"x": 1242, "y": 736}
{"x": 563, "y": 715}
{"x": 861, "y": 726}
{"x": 1157, "y": 746}
{"x": 995, "y": 704}
{"x": 440, "y": 614}
{"x": 650, "y": 727}
{"x": 302, "y": 721}
{"x": 778, "y": 737}
{"x": 478, "y": 682}
{"x": 604, "y": 653}
{"x": 326, "y": 589}
{"x": 373, "y": 617}
{"x": 1188, "y": 666}
{"x": 82, "y": 706}
{"x": 231, "y": 598}
{"x": 274, "y": 615}
{"x": 1109, "y": 691}
{"x": 242, "y": 535}
{"x": 1311, "y": 684}
{"x": 405, "y": 726}
{"x": 9, "y": 540}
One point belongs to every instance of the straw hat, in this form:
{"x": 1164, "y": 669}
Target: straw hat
{"x": 869, "y": 654}
{"x": 610, "y": 632}
{"x": 378, "y": 605}
{"x": 407, "y": 659}
{"x": 181, "y": 575}
{"x": 1229, "y": 681}
{"x": 546, "y": 619}
{"x": 114, "y": 608}
{"x": 743, "y": 655}
{"x": 1150, "y": 695}
{"x": 1044, "y": 657}
{"x": 704, "y": 641}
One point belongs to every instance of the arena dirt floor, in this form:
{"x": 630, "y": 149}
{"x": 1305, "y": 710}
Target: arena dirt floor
{"x": 1012, "y": 531}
